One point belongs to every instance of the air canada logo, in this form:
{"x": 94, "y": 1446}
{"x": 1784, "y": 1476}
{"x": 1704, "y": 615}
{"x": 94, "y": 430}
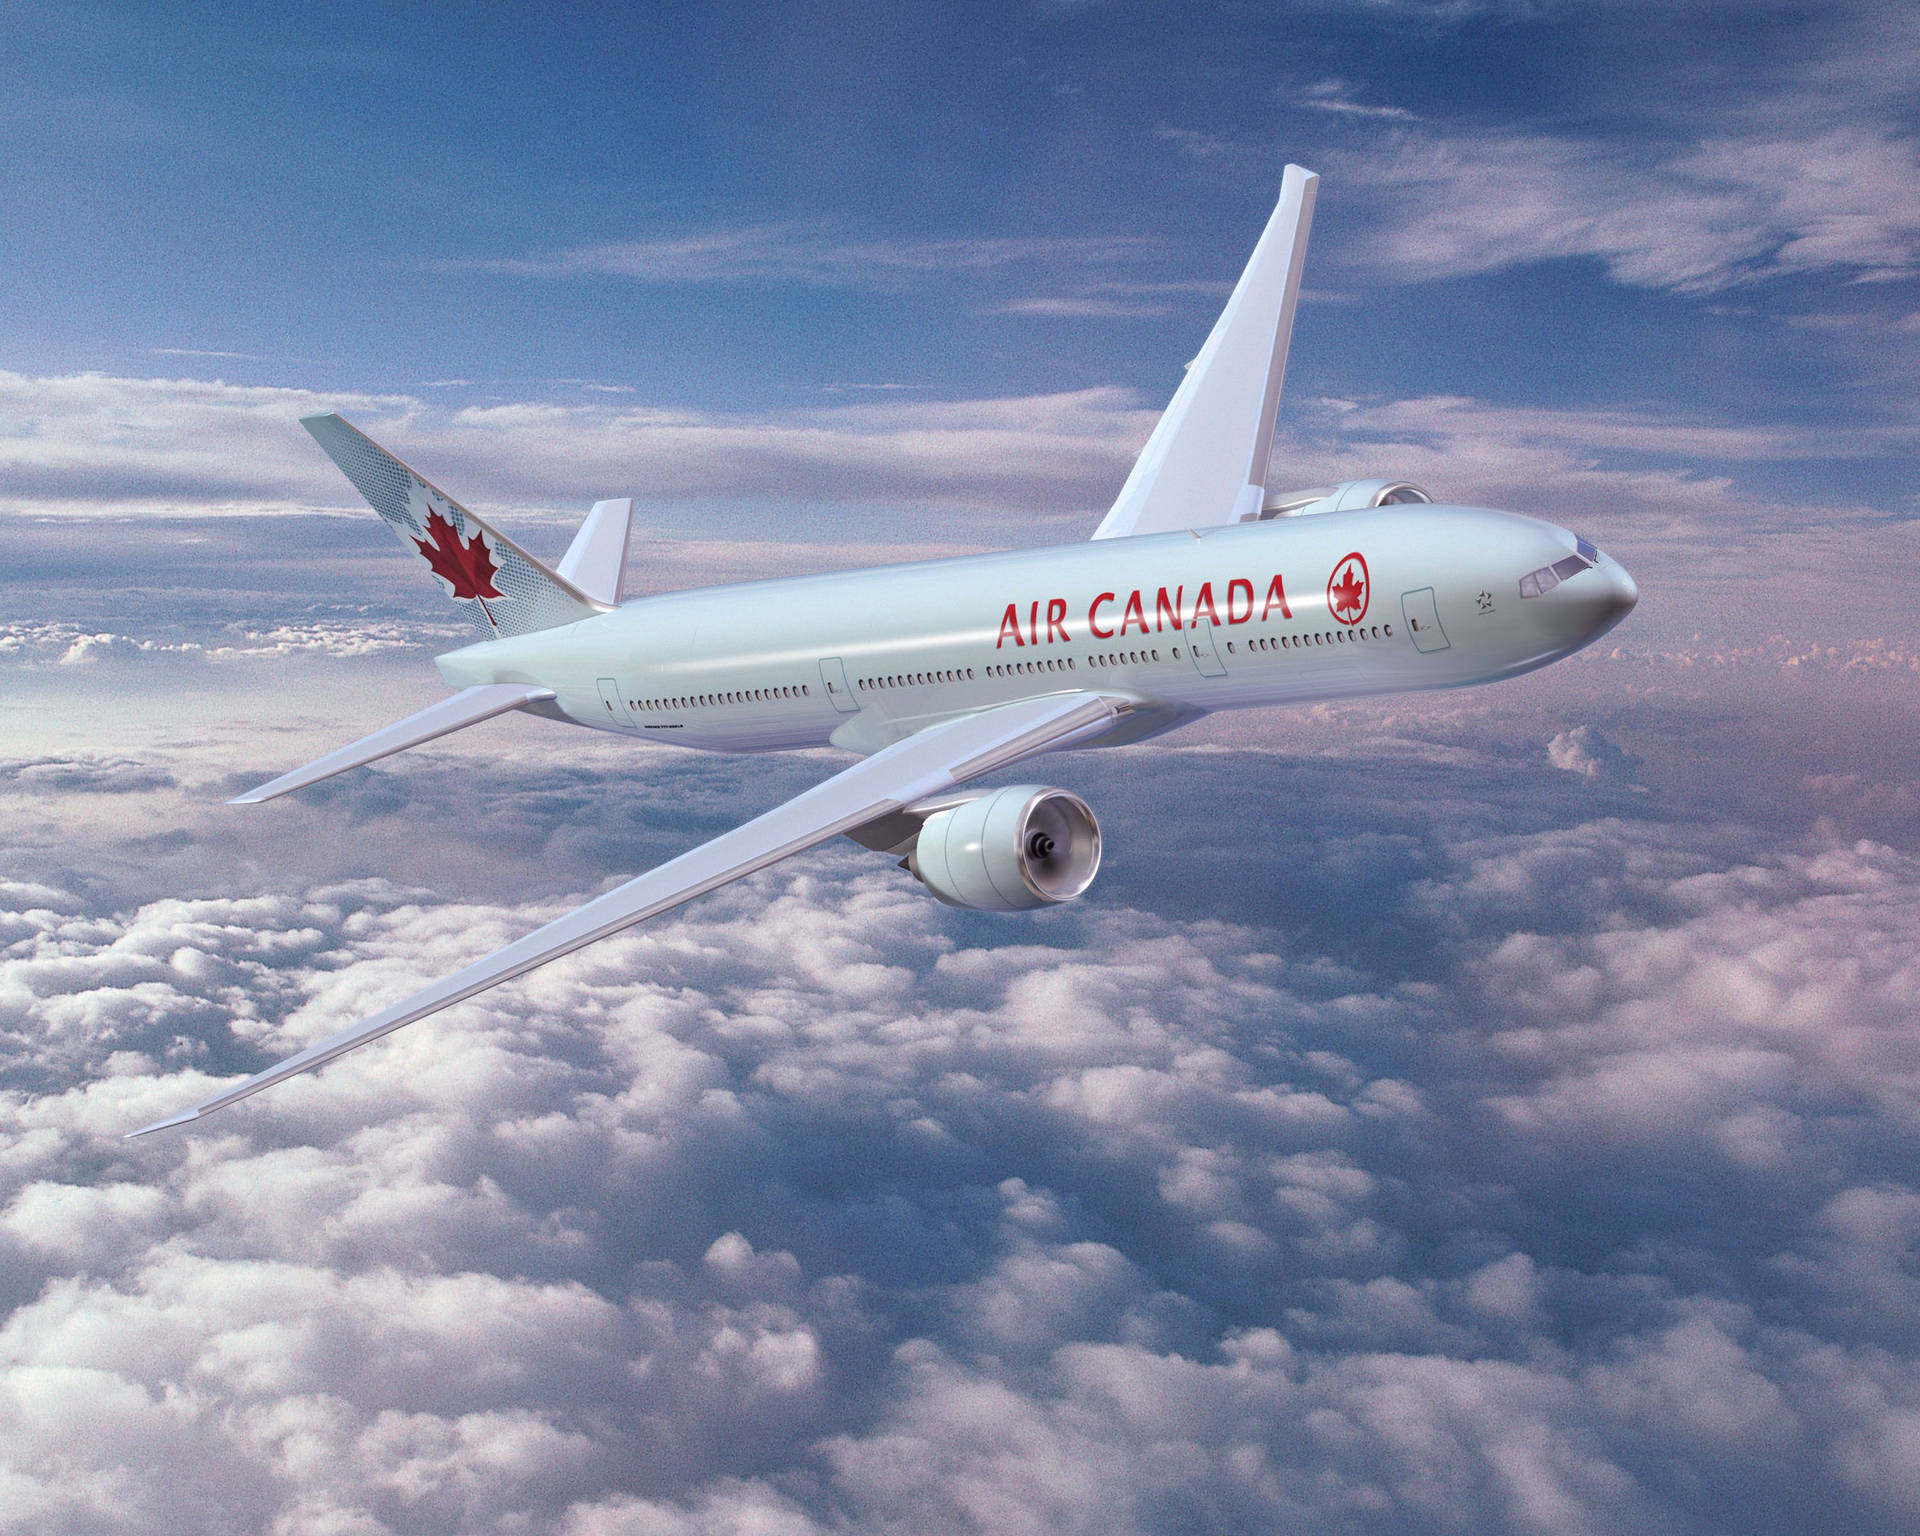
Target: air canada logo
{"x": 1347, "y": 589}
{"x": 468, "y": 569}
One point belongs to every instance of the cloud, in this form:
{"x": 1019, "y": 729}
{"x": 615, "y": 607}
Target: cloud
{"x": 56, "y": 643}
{"x": 1727, "y": 211}
{"x": 1192, "y": 143}
{"x": 60, "y": 776}
{"x": 1081, "y": 307}
{"x": 1498, "y": 1156}
{"x": 1336, "y": 96}
{"x": 1808, "y": 166}
{"x": 807, "y": 254}
{"x": 208, "y": 447}
{"x": 1586, "y": 751}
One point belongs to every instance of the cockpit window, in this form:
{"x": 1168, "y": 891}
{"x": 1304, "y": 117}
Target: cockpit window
{"x": 1550, "y": 576}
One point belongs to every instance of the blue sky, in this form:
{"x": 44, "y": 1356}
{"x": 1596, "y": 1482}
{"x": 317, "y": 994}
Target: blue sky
{"x": 1693, "y": 208}
{"x": 1478, "y": 1112}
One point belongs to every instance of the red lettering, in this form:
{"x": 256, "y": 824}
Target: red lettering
{"x": 1033, "y": 623}
{"x": 1277, "y": 593}
{"x": 1163, "y": 614}
{"x": 1204, "y": 599}
{"x": 1009, "y": 625}
{"x": 1093, "y": 621}
{"x": 1234, "y": 589}
{"x": 1057, "y": 612}
{"x": 1135, "y": 614}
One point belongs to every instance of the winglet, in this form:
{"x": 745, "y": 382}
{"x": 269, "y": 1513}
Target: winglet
{"x": 1206, "y": 463}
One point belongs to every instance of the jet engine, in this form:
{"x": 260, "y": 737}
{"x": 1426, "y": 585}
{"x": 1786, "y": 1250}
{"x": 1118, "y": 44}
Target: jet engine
{"x": 1009, "y": 850}
{"x": 1347, "y": 497}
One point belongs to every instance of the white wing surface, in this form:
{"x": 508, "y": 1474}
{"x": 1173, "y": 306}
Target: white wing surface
{"x": 467, "y": 707}
{"x": 596, "y": 560}
{"x": 898, "y": 776}
{"x": 1206, "y": 463}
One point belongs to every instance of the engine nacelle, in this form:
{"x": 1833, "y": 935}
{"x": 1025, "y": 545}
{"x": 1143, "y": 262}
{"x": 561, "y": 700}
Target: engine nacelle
{"x": 1010, "y": 850}
{"x": 1348, "y": 497}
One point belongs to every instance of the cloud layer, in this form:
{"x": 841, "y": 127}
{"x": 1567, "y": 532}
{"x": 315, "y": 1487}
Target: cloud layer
{"x": 1483, "y": 1148}
{"x": 90, "y": 442}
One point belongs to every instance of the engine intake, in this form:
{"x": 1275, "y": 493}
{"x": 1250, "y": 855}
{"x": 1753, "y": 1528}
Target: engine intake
{"x": 1011, "y": 850}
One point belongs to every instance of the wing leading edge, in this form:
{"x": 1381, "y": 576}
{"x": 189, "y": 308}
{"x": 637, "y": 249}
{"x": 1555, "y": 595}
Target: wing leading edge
{"x": 937, "y": 759}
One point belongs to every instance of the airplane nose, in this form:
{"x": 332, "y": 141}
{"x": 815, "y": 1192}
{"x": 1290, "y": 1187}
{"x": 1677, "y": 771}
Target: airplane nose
{"x": 1598, "y": 600}
{"x": 1622, "y": 592}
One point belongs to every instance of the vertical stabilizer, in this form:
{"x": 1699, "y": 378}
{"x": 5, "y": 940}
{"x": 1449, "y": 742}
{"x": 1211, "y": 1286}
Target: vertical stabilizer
{"x": 1206, "y": 463}
{"x": 501, "y": 588}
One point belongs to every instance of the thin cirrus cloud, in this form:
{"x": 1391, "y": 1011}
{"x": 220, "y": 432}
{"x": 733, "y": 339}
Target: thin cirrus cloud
{"x": 1729, "y": 210}
{"x": 1812, "y": 168}
{"x": 1337, "y": 96}
{"x": 808, "y": 254}
{"x": 83, "y": 442}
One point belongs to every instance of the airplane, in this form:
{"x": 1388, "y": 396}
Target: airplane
{"x": 1199, "y": 591}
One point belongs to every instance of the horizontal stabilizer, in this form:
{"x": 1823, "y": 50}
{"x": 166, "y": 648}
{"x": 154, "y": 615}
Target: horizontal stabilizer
{"x": 1206, "y": 464}
{"x": 596, "y": 560}
{"x": 468, "y": 707}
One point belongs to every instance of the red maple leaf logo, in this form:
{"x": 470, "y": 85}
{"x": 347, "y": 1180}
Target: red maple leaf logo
{"x": 1347, "y": 589}
{"x": 467, "y": 568}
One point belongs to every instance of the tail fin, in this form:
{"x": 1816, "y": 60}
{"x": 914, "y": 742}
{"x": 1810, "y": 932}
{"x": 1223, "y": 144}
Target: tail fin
{"x": 1206, "y": 463}
{"x": 496, "y": 583}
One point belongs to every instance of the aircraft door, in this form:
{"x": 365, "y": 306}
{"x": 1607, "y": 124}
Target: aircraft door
{"x": 1423, "y": 620}
{"x": 1206, "y": 655}
{"x": 618, "y": 715}
{"x": 833, "y": 676}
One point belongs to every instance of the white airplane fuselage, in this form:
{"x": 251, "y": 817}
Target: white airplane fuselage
{"x": 1178, "y": 625}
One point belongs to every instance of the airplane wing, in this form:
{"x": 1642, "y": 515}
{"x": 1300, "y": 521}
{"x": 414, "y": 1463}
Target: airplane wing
{"x": 936, "y": 759}
{"x": 1206, "y": 463}
{"x": 467, "y": 707}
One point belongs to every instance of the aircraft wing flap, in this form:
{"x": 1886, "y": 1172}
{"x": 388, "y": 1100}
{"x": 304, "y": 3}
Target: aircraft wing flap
{"x": 909, "y": 771}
